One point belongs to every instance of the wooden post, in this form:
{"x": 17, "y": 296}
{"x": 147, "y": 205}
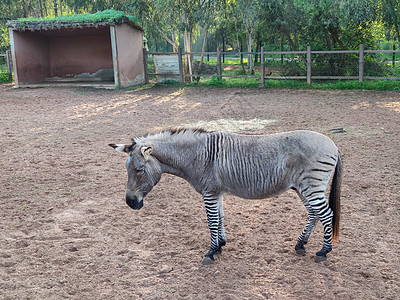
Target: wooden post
{"x": 114, "y": 52}
{"x": 219, "y": 65}
{"x": 262, "y": 66}
{"x": 146, "y": 70}
{"x": 309, "y": 61}
{"x": 361, "y": 64}
{"x": 14, "y": 62}
{"x": 241, "y": 59}
{"x": 9, "y": 65}
{"x": 180, "y": 64}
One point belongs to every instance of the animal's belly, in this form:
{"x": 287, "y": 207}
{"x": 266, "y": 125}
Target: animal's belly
{"x": 256, "y": 192}
{"x": 254, "y": 178}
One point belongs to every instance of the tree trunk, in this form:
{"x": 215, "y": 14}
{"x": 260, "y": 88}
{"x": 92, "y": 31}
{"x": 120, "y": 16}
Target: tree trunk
{"x": 258, "y": 47}
{"x": 333, "y": 32}
{"x": 202, "y": 55}
{"x": 174, "y": 39}
{"x": 241, "y": 61}
{"x": 239, "y": 47}
{"x": 188, "y": 58}
{"x": 292, "y": 44}
{"x": 250, "y": 62}
{"x": 55, "y": 8}
{"x": 41, "y": 9}
{"x": 35, "y": 10}
{"x": 174, "y": 44}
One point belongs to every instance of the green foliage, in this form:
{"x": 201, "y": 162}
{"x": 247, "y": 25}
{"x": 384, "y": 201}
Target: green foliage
{"x": 241, "y": 83}
{"x": 378, "y": 85}
{"x": 105, "y": 15}
{"x": 170, "y": 81}
{"x": 4, "y": 76}
{"x": 390, "y": 15}
{"x": 282, "y": 25}
{"x": 279, "y": 25}
{"x": 215, "y": 81}
{"x": 382, "y": 85}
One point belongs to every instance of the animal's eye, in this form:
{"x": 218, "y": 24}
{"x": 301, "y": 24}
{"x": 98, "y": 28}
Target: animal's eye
{"x": 139, "y": 170}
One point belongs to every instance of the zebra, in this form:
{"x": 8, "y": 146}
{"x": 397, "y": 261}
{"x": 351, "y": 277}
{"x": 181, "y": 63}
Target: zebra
{"x": 249, "y": 166}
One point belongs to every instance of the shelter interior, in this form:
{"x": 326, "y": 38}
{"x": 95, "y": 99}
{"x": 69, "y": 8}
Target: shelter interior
{"x": 64, "y": 55}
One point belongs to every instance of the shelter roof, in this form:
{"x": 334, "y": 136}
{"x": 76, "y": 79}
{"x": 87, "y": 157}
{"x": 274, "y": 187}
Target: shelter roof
{"x": 99, "y": 19}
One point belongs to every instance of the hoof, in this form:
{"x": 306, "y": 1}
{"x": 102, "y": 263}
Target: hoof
{"x": 321, "y": 254}
{"x": 301, "y": 251}
{"x": 319, "y": 258}
{"x": 219, "y": 250}
{"x": 207, "y": 261}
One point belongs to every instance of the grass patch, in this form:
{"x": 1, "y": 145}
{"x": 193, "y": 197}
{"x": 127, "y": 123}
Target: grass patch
{"x": 379, "y": 85}
{"x": 109, "y": 15}
{"x": 231, "y": 66}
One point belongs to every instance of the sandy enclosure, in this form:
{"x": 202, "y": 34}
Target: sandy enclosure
{"x": 66, "y": 232}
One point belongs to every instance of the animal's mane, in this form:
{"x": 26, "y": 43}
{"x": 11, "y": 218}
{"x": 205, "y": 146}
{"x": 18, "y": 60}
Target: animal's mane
{"x": 170, "y": 133}
{"x": 184, "y": 130}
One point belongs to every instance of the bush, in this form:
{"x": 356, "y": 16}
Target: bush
{"x": 4, "y": 76}
{"x": 216, "y": 82}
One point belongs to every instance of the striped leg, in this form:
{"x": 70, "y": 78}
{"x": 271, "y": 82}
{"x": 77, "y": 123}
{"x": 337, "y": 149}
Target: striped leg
{"x": 303, "y": 238}
{"x": 221, "y": 230}
{"x": 212, "y": 204}
{"x": 312, "y": 221}
{"x": 312, "y": 192}
{"x": 325, "y": 214}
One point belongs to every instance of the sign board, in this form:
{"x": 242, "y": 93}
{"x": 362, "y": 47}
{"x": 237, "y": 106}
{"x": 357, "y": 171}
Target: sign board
{"x": 168, "y": 65}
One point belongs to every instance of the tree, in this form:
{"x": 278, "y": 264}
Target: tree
{"x": 389, "y": 11}
{"x": 324, "y": 24}
{"x": 177, "y": 17}
{"x": 248, "y": 11}
{"x": 160, "y": 15}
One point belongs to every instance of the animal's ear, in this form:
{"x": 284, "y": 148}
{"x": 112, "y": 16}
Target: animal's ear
{"x": 121, "y": 147}
{"x": 146, "y": 151}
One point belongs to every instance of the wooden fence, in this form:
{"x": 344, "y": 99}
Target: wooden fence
{"x": 7, "y": 55}
{"x": 306, "y": 56}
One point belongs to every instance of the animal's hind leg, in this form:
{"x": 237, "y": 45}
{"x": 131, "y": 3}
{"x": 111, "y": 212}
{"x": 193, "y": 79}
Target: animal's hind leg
{"x": 303, "y": 238}
{"x": 325, "y": 214}
{"x": 312, "y": 221}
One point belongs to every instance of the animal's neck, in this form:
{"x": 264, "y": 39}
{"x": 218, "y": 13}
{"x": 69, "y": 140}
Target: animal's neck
{"x": 176, "y": 155}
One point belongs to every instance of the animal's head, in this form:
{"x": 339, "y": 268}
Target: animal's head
{"x": 144, "y": 172}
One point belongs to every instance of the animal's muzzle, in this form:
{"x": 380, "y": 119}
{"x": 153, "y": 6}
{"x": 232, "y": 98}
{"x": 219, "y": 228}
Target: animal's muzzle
{"x": 134, "y": 202}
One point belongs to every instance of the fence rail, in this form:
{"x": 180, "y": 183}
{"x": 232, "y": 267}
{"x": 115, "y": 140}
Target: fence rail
{"x": 264, "y": 56}
{"x": 305, "y": 56}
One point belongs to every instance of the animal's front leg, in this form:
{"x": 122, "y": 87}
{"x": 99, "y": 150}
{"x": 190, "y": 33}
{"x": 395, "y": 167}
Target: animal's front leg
{"x": 221, "y": 230}
{"x": 212, "y": 209}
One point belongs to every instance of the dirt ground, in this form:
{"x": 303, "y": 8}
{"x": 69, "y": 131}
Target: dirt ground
{"x": 66, "y": 231}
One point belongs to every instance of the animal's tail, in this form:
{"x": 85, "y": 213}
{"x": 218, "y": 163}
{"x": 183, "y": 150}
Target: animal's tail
{"x": 334, "y": 200}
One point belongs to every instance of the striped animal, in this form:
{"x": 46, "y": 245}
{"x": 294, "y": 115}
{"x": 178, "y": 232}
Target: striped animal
{"x": 249, "y": 166}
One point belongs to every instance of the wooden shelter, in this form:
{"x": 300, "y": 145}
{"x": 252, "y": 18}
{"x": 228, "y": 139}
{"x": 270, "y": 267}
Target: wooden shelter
{"x": 107, "y": 53}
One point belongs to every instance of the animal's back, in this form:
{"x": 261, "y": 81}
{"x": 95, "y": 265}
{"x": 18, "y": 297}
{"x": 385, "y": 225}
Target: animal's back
{"x": 258, "y": 166}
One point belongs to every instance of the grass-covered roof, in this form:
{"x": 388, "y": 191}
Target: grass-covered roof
{"x": 101, "y": 18}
